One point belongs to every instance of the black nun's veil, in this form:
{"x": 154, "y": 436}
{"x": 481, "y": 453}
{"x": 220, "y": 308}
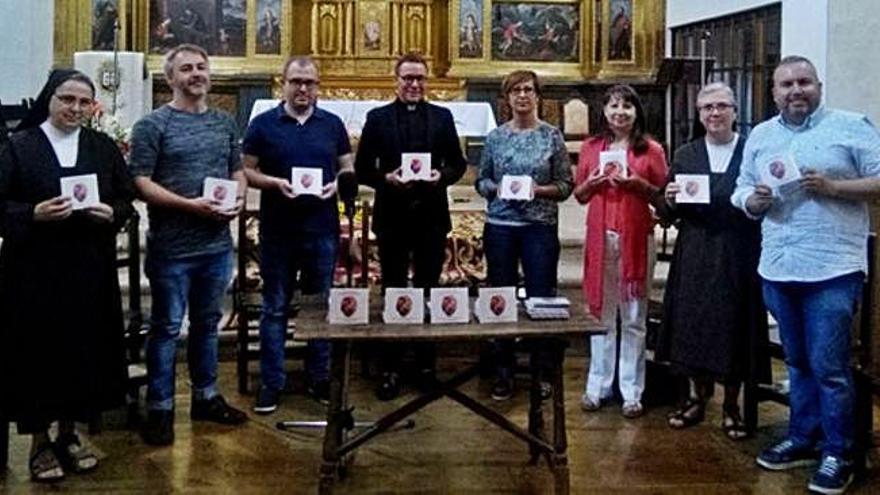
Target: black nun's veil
{"x": 39, "y": 111}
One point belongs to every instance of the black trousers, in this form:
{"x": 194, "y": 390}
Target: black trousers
{"x": 425, "y": 251}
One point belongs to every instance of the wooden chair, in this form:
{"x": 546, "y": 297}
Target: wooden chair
{"x": 11, "y": 115}
{"x": 575, "y": 124}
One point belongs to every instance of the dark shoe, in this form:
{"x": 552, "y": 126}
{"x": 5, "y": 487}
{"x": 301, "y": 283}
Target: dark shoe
{"x": 502, "y": 389}
{"x": 732, "y": 423}
{"x": 217, "y": 410}
{"x": 159, "y": 429}
{"x": 787, "y": 455}
{"x": 632, "y": 409}
{"x": 545, "y": 390}
{"x": 589, "y": 404}
{"x": 74, "y": 456}
{"x": 426, "y": 380}
{"x": 267, "y": 400}
{"x": 319, "y": 390}
{"x": 389, "y": 387}
{"x": 44, "y": 465}
{"x": 833, "y": 476}
{"x": 691, "y": 413}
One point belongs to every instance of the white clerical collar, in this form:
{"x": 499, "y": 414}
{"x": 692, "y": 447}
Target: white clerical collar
{"x": 65, "y": 144}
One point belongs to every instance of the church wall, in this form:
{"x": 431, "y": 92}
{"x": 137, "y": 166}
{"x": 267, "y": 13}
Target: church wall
{"x": 804, "y": 22}
{"x": 26, "y": 55}
{"x": 853, "y": 65}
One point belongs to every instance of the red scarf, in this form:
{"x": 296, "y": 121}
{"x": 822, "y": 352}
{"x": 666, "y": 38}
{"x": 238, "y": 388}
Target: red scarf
{"x": 637, "y": 223}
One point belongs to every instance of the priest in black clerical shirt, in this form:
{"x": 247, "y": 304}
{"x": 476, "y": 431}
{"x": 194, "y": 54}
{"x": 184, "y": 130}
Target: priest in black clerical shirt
{"x": 410, "y": 219}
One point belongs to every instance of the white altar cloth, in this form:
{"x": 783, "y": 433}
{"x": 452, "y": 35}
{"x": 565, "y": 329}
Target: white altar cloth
{"x": 472, "y": 118}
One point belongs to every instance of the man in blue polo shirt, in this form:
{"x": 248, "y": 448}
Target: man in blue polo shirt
{"x": 299, "y": 233}
{"x": 813, "y": 260}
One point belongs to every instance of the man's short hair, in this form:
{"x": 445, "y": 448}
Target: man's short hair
{"x": 168, "y": 65}
{"x": 301, "y": 61}
{"x": 797, "y": 59}
{"x": 717, "y": 87}
{"x": 410, "y": 57}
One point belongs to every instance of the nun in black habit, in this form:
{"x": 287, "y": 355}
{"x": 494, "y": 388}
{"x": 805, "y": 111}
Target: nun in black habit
{"x": 61, "y": 329}
{"x": 714, "y": 320}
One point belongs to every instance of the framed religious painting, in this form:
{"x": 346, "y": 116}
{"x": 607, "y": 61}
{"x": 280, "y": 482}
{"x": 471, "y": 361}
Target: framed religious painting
{"x": 268, "y": 31}
{"x": 217, "y": 26}
{"x": 536, "y": 32}
{"x": 470, "y": 35}
{"x": 628, "y": 38}
{"x": 240, "y": 36}
{"x": 492, "y": 37}
{"x": 108, "y": 25}
{"x": 620, "y": 30}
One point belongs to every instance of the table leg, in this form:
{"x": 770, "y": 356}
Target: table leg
{"x": 4, "y": 441}
{"x": 560, "y": 439}
{"x": 536, "y": 412}
{"x": 336, "y": 415}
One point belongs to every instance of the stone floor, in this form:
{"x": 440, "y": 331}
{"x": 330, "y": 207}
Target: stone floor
{"x": 448, "y": 451}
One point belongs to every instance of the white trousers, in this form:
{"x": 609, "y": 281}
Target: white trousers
{"x": 633, "y": 316}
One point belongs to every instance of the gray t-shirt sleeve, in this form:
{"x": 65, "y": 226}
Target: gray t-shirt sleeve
{"x": 145, "y": 142}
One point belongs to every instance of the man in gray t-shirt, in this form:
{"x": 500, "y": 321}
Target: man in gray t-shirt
{"x": 189, "y": 248}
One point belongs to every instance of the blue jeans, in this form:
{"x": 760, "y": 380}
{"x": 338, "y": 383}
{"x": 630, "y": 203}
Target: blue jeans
{"x": 536, "y": 247}
{"x": 307, "y": 263}
{"x": 815, "y": 320}
{"x": 201, "y": 282}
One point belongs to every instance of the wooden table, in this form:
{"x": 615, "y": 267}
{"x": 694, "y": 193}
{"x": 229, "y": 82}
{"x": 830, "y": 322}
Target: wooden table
{"x": 340, "y": 441}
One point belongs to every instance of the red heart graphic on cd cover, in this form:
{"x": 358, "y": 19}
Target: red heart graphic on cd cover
{"x": 404, "y": 305}
{"x": 612, "y": 169}
{"x": 449, "y": 305}
{"x": 348, "y": 305}
{"x": 777, "y": 169}
{"x": 497, "y": 303}
{"x": 219, "y": 193}
{"x": 415, "y": 165}
{"x": 80, "y": 191}
{"x": 306, "y": 180}
{"x": 691, "y": 188}
{"x": 515, "y": 186}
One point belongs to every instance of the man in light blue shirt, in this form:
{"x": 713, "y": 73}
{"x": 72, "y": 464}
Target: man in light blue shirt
{"x": 813, "y": 260}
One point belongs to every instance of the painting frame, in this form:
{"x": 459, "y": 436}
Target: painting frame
{"x": 536, "y": 32}
{"x": 487, "y": 66}
{"x": 220, "y": 27}
{"x": 250, "y": 62}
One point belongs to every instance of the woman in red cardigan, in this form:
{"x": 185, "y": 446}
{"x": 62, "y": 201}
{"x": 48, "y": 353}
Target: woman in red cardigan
{"x": 618, "y": 251}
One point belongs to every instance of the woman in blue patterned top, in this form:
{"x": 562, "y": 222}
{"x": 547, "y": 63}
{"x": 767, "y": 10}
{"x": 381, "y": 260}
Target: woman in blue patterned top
{"x": 522, "y": 231}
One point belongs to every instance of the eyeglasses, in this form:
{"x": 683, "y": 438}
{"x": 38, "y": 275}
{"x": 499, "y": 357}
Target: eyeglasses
{"x": 413, "y": 79}
{"x": 71, "y": 100}
{"x": 526, "y": 90}
{"x": 296, "y": 82}
{"x": 721, "y": 107}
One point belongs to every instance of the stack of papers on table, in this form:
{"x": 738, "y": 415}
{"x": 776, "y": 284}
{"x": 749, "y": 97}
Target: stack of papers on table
{"x": 548, "y": 308}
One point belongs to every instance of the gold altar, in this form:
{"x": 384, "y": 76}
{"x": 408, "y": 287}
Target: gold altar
{"x": 357, "y": 41}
